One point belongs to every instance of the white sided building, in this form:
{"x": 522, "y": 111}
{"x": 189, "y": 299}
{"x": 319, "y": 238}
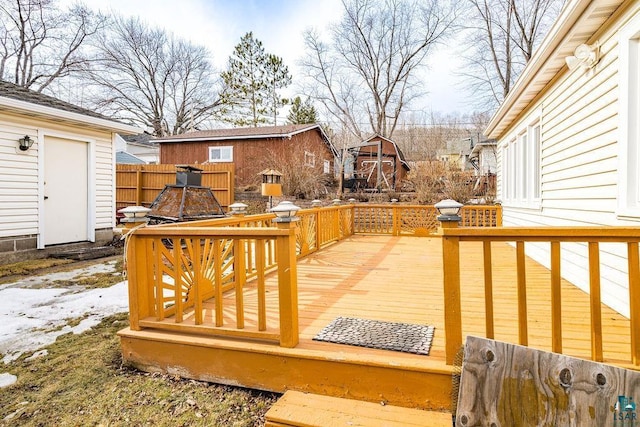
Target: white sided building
{"x": 57, "y": 171}
{"x": 569, "y": 140}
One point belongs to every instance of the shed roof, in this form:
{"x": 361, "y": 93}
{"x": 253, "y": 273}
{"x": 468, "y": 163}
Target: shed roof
{"x": 17, "y": 98}
{"x": 577, "y": 24}
{"x": 262, "y": 132}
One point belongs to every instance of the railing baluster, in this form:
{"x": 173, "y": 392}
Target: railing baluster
{"x": 488, "y": 288}
{"x": 556, "y": 299}
{"x": 147, "y": 304}
{"x": 217, "y": 254}
{"x": 240, "y": 274}
{"x": 196, "y": 264}
{"x": 595, "y": 302}
{"x": 523, "y": 335}
{"x": 177, "y": 279}
{"x": 634, "y": 300}
{"x": 158, "y": 280}
{"x": 262, "y": 292}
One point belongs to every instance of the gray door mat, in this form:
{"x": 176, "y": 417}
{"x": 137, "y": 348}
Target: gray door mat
{"x": 392, "y": 336}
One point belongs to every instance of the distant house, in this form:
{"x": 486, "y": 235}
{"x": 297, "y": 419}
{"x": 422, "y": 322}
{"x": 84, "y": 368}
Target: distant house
{"x": 253, "y": 149}
{"x": 135, "y": 149}
{"x": 57, "y": 180}
{"x": 484, "y": 157}
{"x": 457, "y": 154}
{"x": 361, "y": 170}
{"x": 124, "y": 158}
{"x": 568, "y": 138}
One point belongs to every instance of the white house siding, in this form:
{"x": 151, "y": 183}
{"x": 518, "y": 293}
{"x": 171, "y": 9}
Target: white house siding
{"x": 579, "y": 163}
{"x": 19, "y": 220}
{"x": 18, "y": 186}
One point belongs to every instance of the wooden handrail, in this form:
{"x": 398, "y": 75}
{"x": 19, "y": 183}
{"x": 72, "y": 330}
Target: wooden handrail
{"x": 555, "y": 236}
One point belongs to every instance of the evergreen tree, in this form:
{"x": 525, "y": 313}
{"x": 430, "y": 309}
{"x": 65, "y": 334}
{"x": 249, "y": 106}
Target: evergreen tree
{"x": 302, "y": 113}
{"x": 277, "y": 77}
{"x": 251, "y": 83}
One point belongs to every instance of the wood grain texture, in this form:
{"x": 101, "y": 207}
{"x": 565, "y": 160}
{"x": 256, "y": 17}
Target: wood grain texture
{"x": 313, "y": 410}
{"x": 509, "y": 385}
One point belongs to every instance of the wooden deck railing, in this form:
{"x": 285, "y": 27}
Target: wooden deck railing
{"x": 417, "y": 220}
{"x": 592, "y": 237}
{"x": 174, "y": 270}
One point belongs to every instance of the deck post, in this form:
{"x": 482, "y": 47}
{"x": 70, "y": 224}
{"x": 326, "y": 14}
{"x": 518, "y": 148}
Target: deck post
{"x": 396, "y": 220}
{"x": 288, "y": 285}
{"x": 451, "y": 284}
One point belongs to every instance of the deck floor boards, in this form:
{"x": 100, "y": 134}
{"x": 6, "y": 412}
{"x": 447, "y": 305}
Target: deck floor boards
{"x": 399, "y": 279}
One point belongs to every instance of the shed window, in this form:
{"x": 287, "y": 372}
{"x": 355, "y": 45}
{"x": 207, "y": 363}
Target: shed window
{"x": 327, "y": 166}
{"x": 309, "y": 159}
{"x": 629, "y": 140}
{"x": 221, "y": 154}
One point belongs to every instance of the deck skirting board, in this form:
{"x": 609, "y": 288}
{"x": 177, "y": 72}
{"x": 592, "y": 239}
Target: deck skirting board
{"x": 279, "y": 370}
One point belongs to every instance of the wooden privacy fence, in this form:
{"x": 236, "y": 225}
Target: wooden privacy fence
{"x": 139, "y": 185}
{"x": 591, "y": 237}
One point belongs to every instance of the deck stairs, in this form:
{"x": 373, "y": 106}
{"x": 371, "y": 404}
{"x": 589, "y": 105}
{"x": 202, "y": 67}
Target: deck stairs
{"x": 313, "y": 410}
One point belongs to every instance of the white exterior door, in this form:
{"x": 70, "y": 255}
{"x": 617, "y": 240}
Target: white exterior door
{"x": 66, "y": 195}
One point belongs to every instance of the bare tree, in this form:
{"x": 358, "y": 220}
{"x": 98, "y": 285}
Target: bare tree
{"x": 40, "y": 43}
{"x": 148, "y": 76}
{"x": 502, "y": 36}
{"x": 367, "y": 72}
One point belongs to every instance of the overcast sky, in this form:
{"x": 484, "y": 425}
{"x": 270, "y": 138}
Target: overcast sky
{"x": 219, "y": 25}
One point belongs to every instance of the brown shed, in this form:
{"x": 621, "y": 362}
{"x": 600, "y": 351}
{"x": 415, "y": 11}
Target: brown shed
{"x": 252, "y": 149}
{"x": 366, "y": 158}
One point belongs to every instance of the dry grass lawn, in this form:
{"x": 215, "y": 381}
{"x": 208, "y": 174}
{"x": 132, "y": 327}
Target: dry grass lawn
{"x": 81, "y": 380}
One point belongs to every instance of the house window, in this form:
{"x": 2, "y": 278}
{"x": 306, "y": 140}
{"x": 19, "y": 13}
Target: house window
{"x": 327, "y": 166}
{"x": 521, "y": 167}
{"x": 629, "y": 138}
{"x": 221, "y": 154}
{"x": 536, "y": 170}
{"x": 309, "y": 159}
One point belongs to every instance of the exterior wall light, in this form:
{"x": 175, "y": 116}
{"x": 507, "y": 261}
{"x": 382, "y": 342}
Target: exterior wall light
{"x": 448, "y": 210}
{"x": 238, "y": 208}
{"x": 585, "y": 56}
{"x": 285, "y": 212}
{"x": 25, "y": 143}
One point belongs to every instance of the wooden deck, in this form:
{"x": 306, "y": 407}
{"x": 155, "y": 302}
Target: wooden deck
{"x": 380, "y": 277}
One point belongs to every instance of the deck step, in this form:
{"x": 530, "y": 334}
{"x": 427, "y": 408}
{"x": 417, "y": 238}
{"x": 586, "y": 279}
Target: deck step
{"x": 313, "y": 410}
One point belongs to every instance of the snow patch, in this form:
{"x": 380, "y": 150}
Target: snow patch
{"x": 32, "y": 318}
{"x": 7, "y": 379}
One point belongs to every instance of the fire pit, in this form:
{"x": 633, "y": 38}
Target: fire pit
{"x": 187, "y": 200}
